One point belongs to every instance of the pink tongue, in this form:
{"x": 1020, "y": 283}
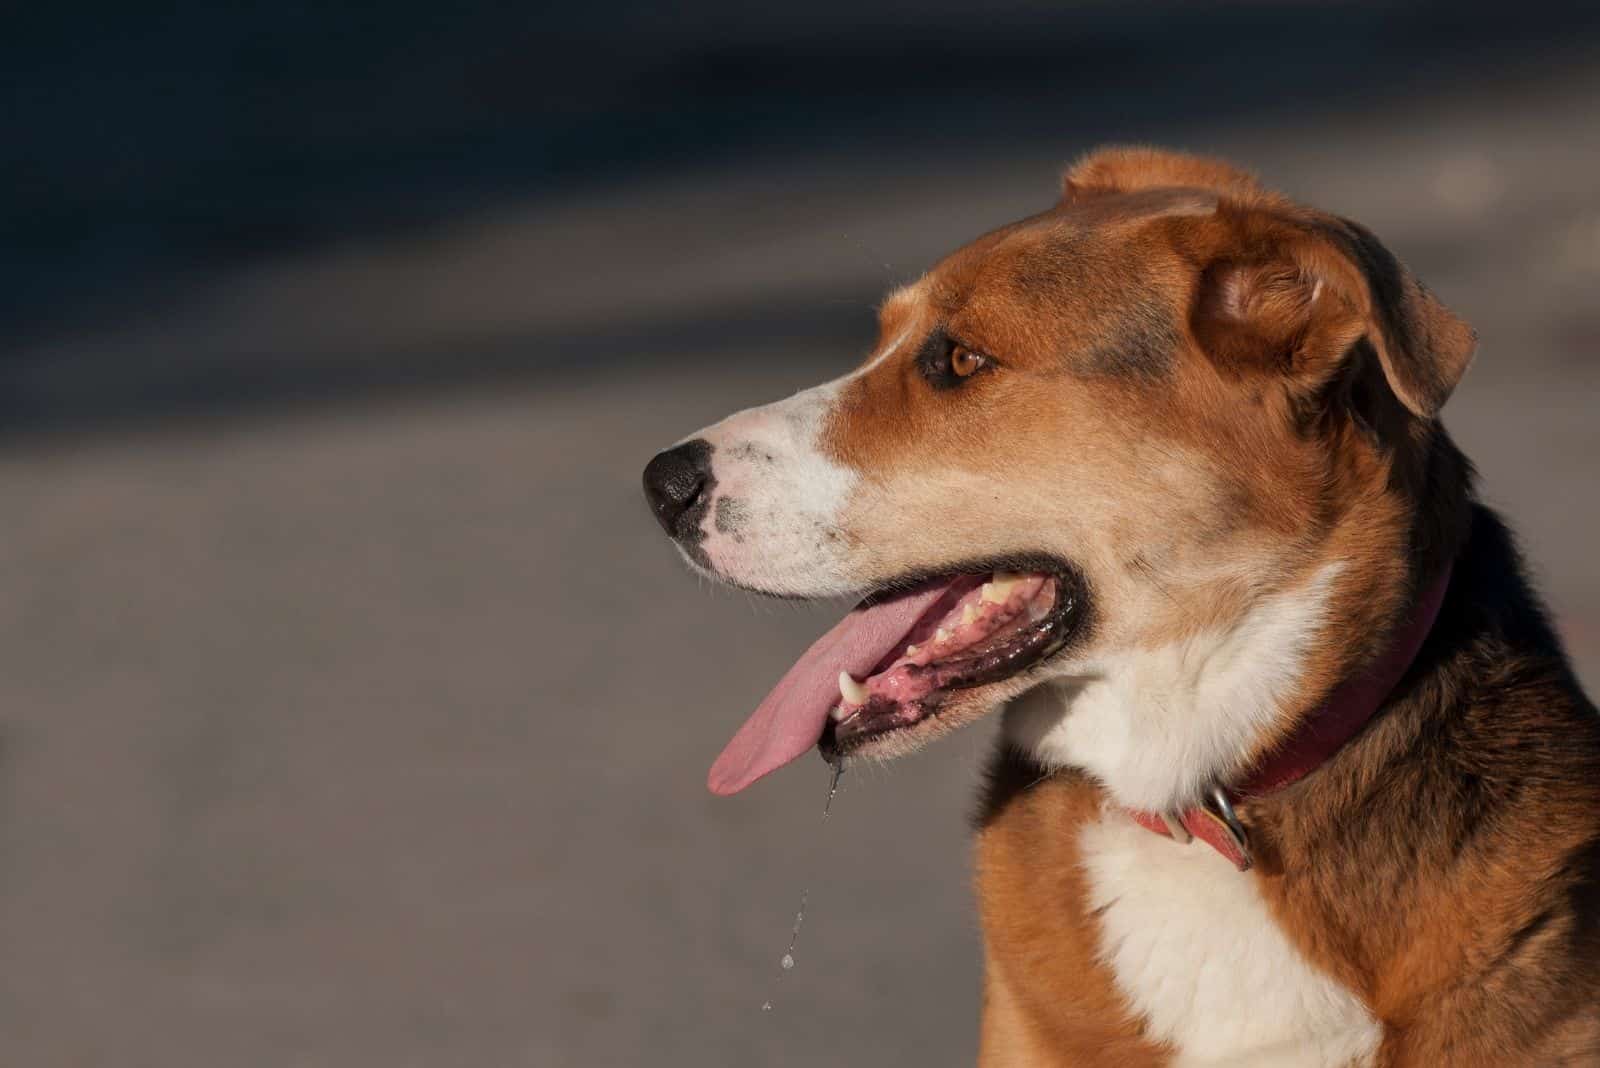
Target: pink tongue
{"x": 791, "y": 719}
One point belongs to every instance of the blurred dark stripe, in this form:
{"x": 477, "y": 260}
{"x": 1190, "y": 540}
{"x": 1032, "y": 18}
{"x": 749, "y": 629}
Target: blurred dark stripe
{"x": 62, "y": 401}
{"x": 144, "y": 148}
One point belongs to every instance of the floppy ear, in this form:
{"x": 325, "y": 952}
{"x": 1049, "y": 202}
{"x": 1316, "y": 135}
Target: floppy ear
{"x": 1423, "y": 347}
{"x": 1303, "y": 306}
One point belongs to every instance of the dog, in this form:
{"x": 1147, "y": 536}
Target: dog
{"x": 1293, "y": 769}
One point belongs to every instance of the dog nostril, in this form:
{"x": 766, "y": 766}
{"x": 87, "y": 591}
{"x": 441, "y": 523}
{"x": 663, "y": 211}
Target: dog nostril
{"x": 676, "y": 481}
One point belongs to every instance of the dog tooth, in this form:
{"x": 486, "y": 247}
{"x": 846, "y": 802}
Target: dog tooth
{"x": 969, "y": 613}
{"x": 998, "y": 588}
{"x": 941, "y": 635}
{"x": 913, "y": 650}
{"x": 851, "y": 690}
{"x": 837, "y": 713}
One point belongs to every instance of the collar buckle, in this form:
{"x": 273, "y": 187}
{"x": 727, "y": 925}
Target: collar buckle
{"x": 1228, "y": 836}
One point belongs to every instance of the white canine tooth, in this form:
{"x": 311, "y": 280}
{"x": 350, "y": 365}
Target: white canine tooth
{"x": 837, "y": 713}
{"x": 913, "y": 650}
{"x": 969, "y": 613}
{"x": 941, "y": 635}
{"x": 851, "y": 690}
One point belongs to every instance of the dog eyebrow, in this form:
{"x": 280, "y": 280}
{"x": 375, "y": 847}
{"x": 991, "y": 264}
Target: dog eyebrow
{"x": 1143, "y": 345}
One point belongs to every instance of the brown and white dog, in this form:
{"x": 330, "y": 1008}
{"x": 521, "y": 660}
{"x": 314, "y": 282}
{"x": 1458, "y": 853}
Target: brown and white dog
{"x": 1159, "y": 473}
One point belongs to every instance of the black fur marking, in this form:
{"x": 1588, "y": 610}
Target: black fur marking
{"x": 1144, "y": 346}
{"x": 730, "y": 516}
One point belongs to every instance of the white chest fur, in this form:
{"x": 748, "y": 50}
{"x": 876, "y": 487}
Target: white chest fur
{"x": 1196, "y": 951}
{"x": 1157, "y": 725}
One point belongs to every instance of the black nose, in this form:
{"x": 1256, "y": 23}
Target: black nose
{"x": 677, "y": 483}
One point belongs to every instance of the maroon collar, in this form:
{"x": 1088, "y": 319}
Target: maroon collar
{"x": 1322, "y": 734}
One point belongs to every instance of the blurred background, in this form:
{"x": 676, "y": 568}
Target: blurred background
{"x": 353, "y": 710}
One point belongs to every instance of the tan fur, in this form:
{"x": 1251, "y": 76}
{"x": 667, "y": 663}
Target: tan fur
{"x": 1047, "y": 997}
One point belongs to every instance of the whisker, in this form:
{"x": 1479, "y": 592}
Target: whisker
{"x": 1147, "y": 569}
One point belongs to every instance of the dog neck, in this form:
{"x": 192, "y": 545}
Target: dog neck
{"x": 1159, "y": 727}
{"x": 1162, "y": 727}
{"x": 1114, "y": 757}
{"x": 1317, "y": 737}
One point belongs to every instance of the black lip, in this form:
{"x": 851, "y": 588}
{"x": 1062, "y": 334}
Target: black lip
{"x": 1046, "y": 638}
{"x": 908, "y": 581}
{"x": 1040, "y": 563}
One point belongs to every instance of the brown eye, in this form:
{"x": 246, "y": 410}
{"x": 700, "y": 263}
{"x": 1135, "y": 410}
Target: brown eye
{"x": 964, "y": 362}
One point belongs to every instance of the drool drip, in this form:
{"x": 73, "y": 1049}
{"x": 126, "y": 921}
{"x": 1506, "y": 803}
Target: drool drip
{"x": 786, "y": 962}
{"x": 833, "y": 787}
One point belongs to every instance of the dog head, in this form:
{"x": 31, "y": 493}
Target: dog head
{"x": 1150, "y": 465}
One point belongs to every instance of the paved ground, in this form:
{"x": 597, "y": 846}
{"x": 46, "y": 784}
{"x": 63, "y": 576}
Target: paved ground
{"x": 371, "y": 731}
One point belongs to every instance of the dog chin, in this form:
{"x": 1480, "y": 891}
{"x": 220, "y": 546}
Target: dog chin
{"x": 818, "y": 584}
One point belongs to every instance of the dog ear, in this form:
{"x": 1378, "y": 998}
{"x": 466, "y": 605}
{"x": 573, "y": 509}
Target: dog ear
{"x": 1303, "y": 307}
{"x": 1423, "y": 347}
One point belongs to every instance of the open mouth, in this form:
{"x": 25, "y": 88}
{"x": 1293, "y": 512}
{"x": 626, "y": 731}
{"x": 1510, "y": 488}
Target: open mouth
{"x": 898, "y": 658}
